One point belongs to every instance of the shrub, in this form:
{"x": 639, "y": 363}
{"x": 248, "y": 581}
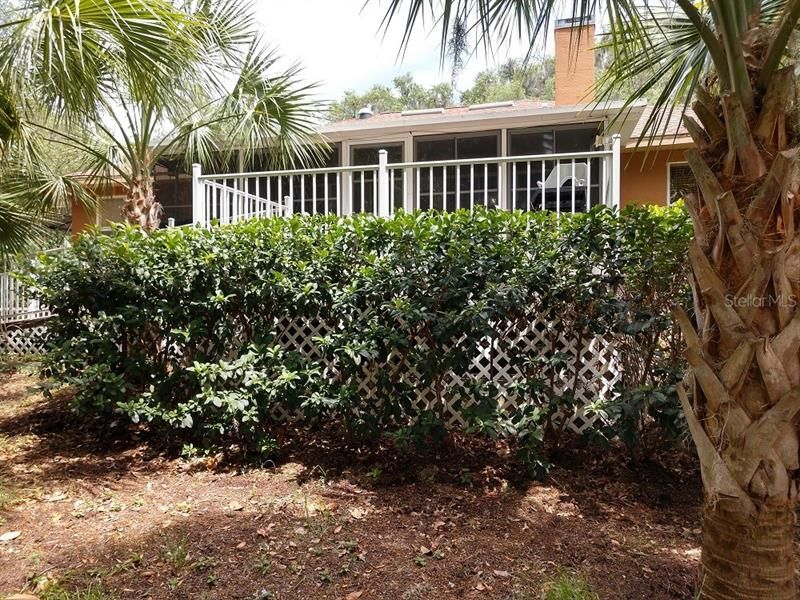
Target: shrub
{"x": 182, "y": 329}
{"x": 645, "y": 413}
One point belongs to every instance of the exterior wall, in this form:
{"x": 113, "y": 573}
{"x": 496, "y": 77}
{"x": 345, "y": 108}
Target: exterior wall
{"x": 574, "y": 55}
{"x": 644, "y": 175}
{"x": 81, "y": 218}
{"x": 109, "y": 209}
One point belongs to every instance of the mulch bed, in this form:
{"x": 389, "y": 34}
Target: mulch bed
{"x": 329, "y": 521}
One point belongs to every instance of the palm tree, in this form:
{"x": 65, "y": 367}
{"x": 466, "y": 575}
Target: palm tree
{"x": 52, "y": 59}
{"x": 729, "y": 61}
{"x": 124, "y": 84}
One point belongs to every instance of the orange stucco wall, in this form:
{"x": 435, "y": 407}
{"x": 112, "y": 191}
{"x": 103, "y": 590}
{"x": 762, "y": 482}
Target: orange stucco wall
{"x": 644, "y": 175}
{"x": 109, "y": 205}
{"x": 81, "y": 218}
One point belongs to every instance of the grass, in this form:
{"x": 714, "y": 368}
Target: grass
{"x": 56, "y": 592}
{"x": 10, "y": 363}
{"x": 568, "y": 586}
{"x": 176, "y": 552}
{"x": 264, "y": 566}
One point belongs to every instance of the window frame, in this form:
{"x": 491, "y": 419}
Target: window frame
{"x": 384, "y": 145}
{"x": 670, "y": 164}
{"x": 599, "y": 126}
{"x": 497, "y": 133}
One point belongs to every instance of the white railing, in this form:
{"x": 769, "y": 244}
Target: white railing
{"x": 16, "y": 304}
{"x": 562, "y": 183}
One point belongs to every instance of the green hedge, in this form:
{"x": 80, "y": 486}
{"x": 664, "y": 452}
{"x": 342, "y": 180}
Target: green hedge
{"x": 179, "y": 328}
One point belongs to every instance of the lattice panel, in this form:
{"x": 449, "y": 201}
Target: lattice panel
{"x": 597, "y": 364}
{"x": 24, "y": 341}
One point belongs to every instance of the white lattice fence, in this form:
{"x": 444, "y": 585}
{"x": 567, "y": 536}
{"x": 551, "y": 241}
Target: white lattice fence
{"x": 596, "y": 361}
{"x": 597, "y": 364}
{"x": 22, "y": 339}
{"x": 16, "y": 303}
{"x": 22, "y": 319}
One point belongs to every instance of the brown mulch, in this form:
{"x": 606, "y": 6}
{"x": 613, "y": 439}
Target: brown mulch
{"x": 328, "y": 522}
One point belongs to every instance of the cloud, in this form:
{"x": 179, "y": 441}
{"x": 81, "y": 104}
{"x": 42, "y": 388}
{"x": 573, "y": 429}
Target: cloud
{"x": 341, "y": 45}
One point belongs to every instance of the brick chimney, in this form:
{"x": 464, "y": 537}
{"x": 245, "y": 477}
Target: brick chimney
{"x": 574, "y": 39}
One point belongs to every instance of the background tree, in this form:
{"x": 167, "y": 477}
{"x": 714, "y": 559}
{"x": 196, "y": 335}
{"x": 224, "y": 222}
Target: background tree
{"x": 405, "y": 94}
{"x": 729, "y": 59}
{"x": 201, "y": 86}
{"x": 515, "y": 79}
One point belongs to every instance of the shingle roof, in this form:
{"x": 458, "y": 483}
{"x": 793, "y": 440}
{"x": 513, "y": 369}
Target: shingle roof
{"x": 669, "y": 128}
{"x": 514, "y": 106}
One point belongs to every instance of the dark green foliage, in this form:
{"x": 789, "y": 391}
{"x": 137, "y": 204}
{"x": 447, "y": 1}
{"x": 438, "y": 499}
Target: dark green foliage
{"x": 181, "y": 328}
{"x": 645, "y": 414}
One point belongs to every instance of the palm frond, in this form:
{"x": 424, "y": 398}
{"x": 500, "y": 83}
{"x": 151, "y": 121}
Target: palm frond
{"x": 228, "y": 28}
{"x": 68, "y": 49}
{"x": 31, "y": 204}
{"x": 18, "y": 231}
{"x": 498, "y": 22}
{"x": 263, "y": 111}
{"x": 666, "y": 65}
{"x": 272, "y": 110}
{"x": 9, "y": 118}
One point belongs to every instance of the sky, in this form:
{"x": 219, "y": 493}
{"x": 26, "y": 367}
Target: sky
{"x": 341, "y": 45}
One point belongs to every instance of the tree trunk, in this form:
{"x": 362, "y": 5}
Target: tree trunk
{"x": 141, "y": 207}
{"x": 747, "y": 557}
{"x": 743, "y": 348}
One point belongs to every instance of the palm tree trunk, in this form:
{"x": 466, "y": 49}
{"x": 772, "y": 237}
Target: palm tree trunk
{"x": 747, "y": 557}
{"x": 743, "y": 348}
{"x": 141, "y": 207}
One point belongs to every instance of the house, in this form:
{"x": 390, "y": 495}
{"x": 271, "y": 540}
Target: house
{"x": 566, "y": 155}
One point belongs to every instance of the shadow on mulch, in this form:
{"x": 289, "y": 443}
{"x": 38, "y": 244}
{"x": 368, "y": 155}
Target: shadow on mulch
{"x": 413, "y": 539}
{"x": 457, "y": 520}
{"x": 68, "y": 446}
{"x": 480, "y": 551}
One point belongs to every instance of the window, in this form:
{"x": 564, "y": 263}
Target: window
{"x": 680, "y": 181}
{"x": 173, "y": 190}
{"x": 368, "y": 155}
{"x": 451, "y": 188}
{"x": 365, "y": 183}
{"x": 309, "y": 192}
{"x": 562, "y": 186}
{"x": 552, "y": 140}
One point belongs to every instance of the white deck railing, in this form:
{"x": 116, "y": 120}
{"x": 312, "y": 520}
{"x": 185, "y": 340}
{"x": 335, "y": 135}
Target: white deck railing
{"x": 16, "y": 304}
{"x": 569, "y": 183}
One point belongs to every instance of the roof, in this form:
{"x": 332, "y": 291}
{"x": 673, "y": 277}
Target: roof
{"x": 670, "y": 130}
{"x": 493, "y": 108}
{"x": 519, "y": 113}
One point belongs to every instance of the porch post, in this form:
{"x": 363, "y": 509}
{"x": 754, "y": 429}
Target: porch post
{"x": 346, "y": 181}
{"x": 383, "y": 184}
{"x": 502, "y": 171}
{"x": 198, "y": 200}
{"x": 408, "y": 174}
{"x": 616, "y": 171}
